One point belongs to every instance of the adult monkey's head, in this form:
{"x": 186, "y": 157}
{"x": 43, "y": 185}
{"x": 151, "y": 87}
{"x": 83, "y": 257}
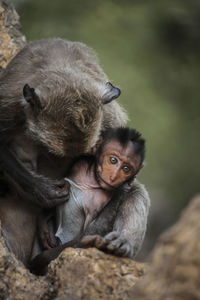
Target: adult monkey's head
{"x": 119, "y": 156}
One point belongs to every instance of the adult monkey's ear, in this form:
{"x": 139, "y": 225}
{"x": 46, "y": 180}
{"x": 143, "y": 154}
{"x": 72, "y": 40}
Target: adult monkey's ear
{"x": 111, "y": 93}
{"x": 130, "y": 181}
{"x": 31, "y": 97}
{"x": 97, "y": 145}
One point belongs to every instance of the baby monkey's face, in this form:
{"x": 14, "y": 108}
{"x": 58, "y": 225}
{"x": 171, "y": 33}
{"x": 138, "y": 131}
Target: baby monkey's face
{"x": 116, "y": 164}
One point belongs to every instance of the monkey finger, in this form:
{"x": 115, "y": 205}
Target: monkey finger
{"x": 119, "y": 252}
{"x": 110, "y": 248}
{"x": 57, "y": 197}
{"x": 50, "y": 192}
{"x": 60, "y": 194}
{"x": 125, "y": 250}
{"x": 62, "y": 184}
{"x": 94, "y": 241}
{"x": 115, "y": 249}
{"x": 112, "y": 236}
{"x": 116, "y": 244}
{"x": 50, "y": 243}
{"x": 88, "y": 240}
{"x": 48, "y": 197}
{"x": 44, "y": 244}
{"x": 100, "y": 243}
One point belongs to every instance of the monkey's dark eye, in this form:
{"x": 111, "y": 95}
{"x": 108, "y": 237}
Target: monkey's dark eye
{"x": 126, "y": 169}
{"x": 113, "y": 160}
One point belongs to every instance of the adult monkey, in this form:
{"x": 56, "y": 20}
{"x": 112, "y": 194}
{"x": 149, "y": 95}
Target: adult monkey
{"x": 52, "y": 97}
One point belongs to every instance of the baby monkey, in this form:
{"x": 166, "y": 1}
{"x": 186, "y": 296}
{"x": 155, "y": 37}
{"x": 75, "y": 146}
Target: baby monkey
{"x": 94, "y": 180}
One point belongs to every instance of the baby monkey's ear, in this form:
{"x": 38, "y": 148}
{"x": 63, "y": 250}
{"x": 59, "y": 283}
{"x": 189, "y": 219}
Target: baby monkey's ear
{"x": 142, "y": 165}
{"x": 133, "y": 178}
{"x": 97, "y": 145}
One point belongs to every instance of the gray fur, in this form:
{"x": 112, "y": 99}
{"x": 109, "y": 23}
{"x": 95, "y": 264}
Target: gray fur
{"x": 64, "y": 122}
{"x": 118, "y": 229}
{"x": 70, "y": 85}
{"x": 123, "y": 221}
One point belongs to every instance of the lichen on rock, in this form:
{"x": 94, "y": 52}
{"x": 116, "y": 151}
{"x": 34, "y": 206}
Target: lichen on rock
{"x": 11, "y": 37}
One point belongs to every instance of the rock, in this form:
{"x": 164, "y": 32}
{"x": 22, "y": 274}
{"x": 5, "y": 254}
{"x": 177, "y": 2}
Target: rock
{"x": 174, "y": 272}
{"x": 91, "y": 274}
{"x": 11, "y": 38}
{"x": 75, "y": 274}
{"x": 16, "y": 282}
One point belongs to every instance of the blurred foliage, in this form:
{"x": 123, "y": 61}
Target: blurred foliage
{"x": 151, "y": 49}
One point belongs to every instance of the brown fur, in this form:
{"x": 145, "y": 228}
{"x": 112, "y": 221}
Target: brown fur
{"x": 70, "y": 84}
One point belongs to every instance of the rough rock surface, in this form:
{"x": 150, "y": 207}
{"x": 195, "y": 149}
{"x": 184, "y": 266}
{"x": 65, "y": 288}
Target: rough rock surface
{"x": 90, "y": 274}
{"x": 16, "y": 282}
{"x": 75, "y": 274}
{"x": 174, "y": 273}
{"x": 11, "y": 38}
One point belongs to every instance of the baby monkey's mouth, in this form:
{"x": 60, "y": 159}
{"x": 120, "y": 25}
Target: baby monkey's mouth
{"x": 109, "y": 186}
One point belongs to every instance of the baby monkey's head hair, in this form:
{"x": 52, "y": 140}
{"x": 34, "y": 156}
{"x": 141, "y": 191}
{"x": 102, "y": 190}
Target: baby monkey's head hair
{"x": 124, "y": 135}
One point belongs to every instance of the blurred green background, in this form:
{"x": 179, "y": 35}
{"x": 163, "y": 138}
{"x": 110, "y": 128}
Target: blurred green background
{"x": 151, "y": 49}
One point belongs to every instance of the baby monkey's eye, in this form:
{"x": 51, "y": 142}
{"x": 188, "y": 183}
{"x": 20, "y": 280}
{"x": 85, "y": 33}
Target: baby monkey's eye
{"x": 126, "y": 169}
{"x": 113, "y": 160}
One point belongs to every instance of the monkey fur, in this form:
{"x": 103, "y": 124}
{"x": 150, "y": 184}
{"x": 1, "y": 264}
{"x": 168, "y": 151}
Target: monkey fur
{"x": 118, "y": 229}
{"x": 52, "y": 97}
{"x": 54, "y": 101}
